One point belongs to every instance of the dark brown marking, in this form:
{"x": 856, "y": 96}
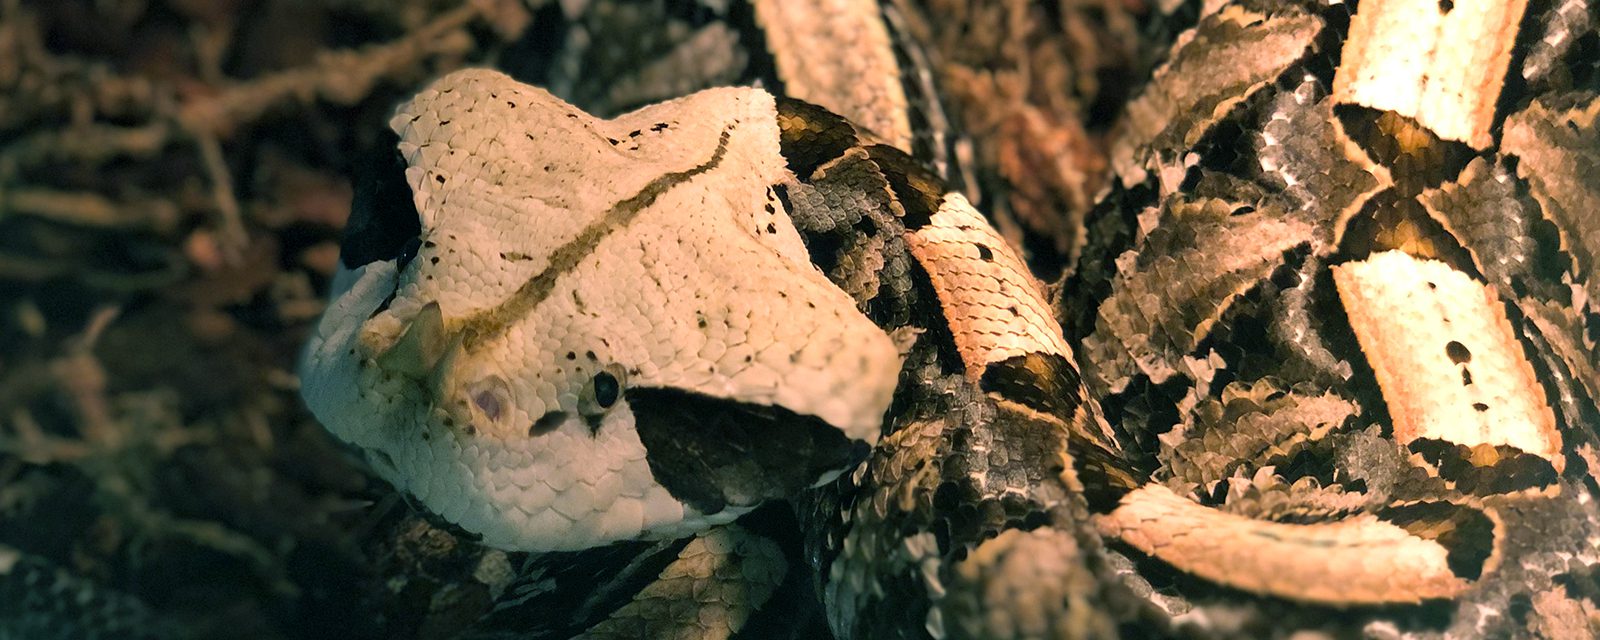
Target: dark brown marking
{"x": 782, "y": 193}
{"x": 1047, "y": 383}
{"x": 1050, "y": 384}
{"x": 917, "y": 187}
{"x": 810, "y": 136}
{"x": 1485, "y": 469}
{"x": 711, "y": 453}
{"x": 1466, "y": 533}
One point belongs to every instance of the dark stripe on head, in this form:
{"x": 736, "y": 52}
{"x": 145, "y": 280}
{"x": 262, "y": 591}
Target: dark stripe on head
{"x": 916, "y": 186}
{"x": 811, "y": 136}
{"x": 566, "y": 257}
{"x": 383, "y": 223}
{"x": 711, "y": 453}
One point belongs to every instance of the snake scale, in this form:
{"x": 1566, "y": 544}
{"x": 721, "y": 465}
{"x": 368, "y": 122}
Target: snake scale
{"x": 735, "y": 350}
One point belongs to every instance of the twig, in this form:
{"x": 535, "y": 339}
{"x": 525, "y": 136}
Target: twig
{"x": 343, "y": 77}
{"x": 159, "y": 524}
{"x": 231, "y": 235}
{"x": 86, "y": 209}
{"x": 84, "y": 380}
{"x": 33, "y": 446}
{"x": 37, "y": 270}
{"x": 86, "y": 144}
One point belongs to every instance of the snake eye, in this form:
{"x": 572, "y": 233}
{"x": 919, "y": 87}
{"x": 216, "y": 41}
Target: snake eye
{"x": 602, "y": 391}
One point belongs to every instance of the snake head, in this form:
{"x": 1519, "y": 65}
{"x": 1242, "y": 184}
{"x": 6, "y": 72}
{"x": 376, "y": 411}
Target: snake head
{"x": 558, "y": 331}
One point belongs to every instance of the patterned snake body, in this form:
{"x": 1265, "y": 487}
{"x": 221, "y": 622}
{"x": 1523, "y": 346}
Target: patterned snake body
{"x": 593, "y": 330}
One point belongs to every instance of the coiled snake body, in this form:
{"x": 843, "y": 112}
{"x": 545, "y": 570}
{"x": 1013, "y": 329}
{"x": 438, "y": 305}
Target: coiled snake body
{"x": 558, "y": 331}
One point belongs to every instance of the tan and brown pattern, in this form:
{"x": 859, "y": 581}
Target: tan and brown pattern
{"x": 1252, "y": 454}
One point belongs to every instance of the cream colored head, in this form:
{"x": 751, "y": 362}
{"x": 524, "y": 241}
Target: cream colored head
{"x": 593, "y": 310}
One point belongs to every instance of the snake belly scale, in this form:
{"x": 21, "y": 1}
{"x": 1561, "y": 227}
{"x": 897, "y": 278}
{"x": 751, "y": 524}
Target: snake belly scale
{"x": 644, "y": 327}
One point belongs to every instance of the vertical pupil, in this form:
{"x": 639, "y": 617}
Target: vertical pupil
{"x": 605, "y": 389}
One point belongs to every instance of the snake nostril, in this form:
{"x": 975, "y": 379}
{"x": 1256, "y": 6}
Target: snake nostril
{"x": 606, "y": 389}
